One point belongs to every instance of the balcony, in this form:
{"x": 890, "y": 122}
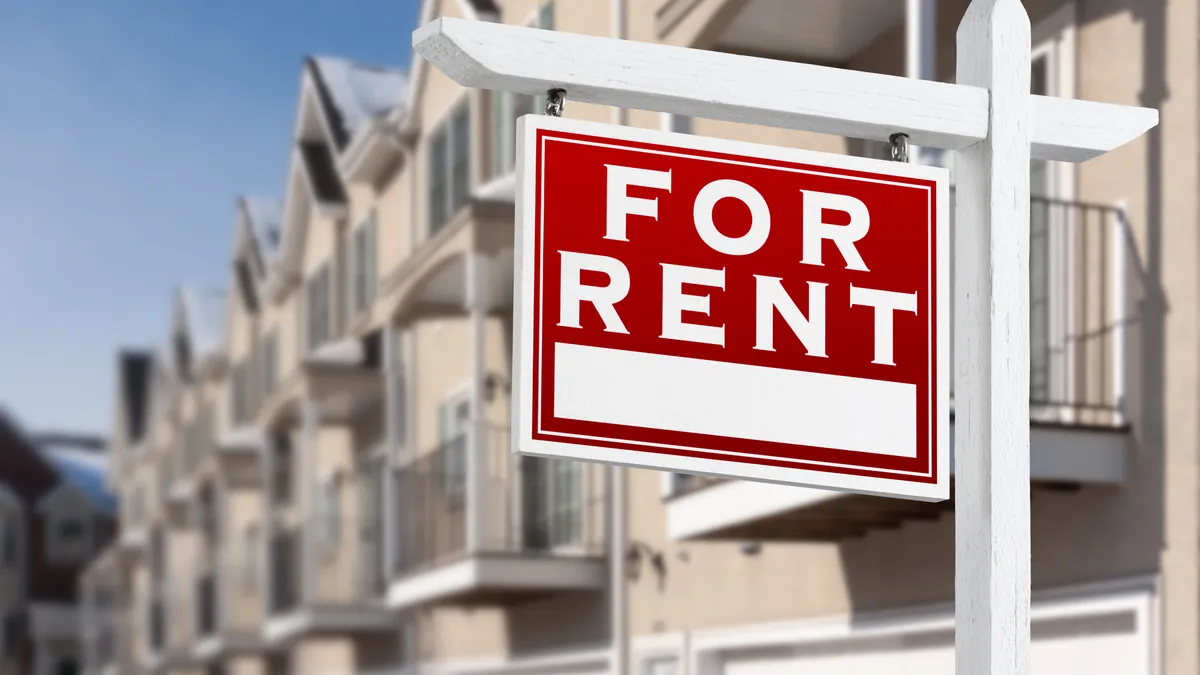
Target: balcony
{"x": 317, "y": 581}
{"x": 527, "y": 528}
{"x": 1083, "y": 280}
{"x": 229, "y": 610}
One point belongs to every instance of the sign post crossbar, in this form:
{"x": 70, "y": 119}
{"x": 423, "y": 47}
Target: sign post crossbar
{"x": 995, "y": 125}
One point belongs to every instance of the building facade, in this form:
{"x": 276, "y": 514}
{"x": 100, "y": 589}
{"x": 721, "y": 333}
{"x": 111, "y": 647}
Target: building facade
{"x": 314, "y": 469}
{"x": 55, "y": 515}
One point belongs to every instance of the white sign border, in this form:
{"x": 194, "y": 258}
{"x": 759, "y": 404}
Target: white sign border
{"x": 523, "y": 316}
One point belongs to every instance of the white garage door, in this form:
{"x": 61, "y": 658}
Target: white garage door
{"x": 1103, "y": 644}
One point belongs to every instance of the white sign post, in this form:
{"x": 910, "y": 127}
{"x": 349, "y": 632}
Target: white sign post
{"x": 996, "y": 126}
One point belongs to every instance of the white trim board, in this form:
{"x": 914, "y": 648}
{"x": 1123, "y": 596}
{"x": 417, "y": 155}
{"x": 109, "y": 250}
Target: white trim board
{"x": 583, "y": 660}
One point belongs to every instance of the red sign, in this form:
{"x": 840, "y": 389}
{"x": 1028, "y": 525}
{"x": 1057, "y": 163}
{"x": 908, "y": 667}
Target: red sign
{"x": 707, "y": 306}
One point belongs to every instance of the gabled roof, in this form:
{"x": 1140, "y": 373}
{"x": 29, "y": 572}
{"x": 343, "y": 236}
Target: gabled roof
{"x": 342, "y": 99}
{"x": 482, "y": 10}
{"x": 263, "y": 218}
{"x": 202, "y": 313}
{"x": 81, "y": 462}
{"x": 352, "y": 94}
{"x": 134, "y": 368}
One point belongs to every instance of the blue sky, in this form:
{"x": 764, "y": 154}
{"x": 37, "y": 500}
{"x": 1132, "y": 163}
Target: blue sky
{"x": 128, "y": 129}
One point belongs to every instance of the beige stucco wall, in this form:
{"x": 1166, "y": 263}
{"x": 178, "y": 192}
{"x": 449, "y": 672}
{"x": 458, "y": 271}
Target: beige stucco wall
{"x": 1095, "y": 534}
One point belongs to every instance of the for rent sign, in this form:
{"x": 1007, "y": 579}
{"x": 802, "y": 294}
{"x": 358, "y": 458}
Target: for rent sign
{"x": 708, "y": 306}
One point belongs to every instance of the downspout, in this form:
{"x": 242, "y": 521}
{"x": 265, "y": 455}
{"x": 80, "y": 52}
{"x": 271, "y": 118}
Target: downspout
{"x": 618, "y": 476}
{"x": 920, "y": 54}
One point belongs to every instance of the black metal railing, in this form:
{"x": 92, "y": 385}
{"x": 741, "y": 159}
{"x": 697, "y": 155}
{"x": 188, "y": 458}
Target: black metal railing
{"x": 1083, "y": 281}
{"x": 206, "y": 605}
{"x": 284, "y": 560}
{"x": 431, "y": 512}
{"x": 524, "y": 504}
{"x": 1085, "y": 278}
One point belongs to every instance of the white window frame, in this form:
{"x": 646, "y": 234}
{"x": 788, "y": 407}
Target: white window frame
{"x": 63, "y": 553}
{"x": 362, "y": 265}
{"x": 460, "y": 395}
{"x": 444, "y": 131}
{"x": 324, "y": 274}
{"x": 251, "y": 546}
{"x": 331, "y": 513}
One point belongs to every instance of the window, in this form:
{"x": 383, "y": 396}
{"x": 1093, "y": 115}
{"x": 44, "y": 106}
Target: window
{"x": 67, "y": 538}
{"x": 137, "y": 505}
{"x": 454, "y": 419}
{"x": 318, "y": 308}
{"x": 270, "y": 363}
{"x": 330, "y": 512}
{"x": 238, "y": 399}
{"x": 10, "y": 540}
{"x": 450, "y": 168}
{"x": 362, "y": 266}
{"x": 680, "y": 124}
{"x": 545, "y": 21}
{"x": 552, "y": 502}
{"x": 250, "y": 545}
{"x": 66, "y": 666}
{"x": 70, "y": 529}
{"x": 281, "y": 478}
{"x": 438, "y": 209}
{"x": 183, "y": 354}
{"x": 507, "y": 108}
{"x": 245, "y": 282}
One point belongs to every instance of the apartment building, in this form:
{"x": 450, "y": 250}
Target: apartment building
{"x": 54, "y": 516}
{"x": 315, "y": 472}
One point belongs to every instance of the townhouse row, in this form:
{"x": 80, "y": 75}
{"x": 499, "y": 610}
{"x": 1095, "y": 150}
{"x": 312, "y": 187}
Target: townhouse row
{"x": 314, "y": 471}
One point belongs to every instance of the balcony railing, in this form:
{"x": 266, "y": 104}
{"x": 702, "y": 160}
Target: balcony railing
{"x": 1084, "y": 278}
{"x": 347, "y": 552}
{"x": 16, "y": 627}
{"x": 206, "y": 605}
{"x": 524, "y": 504}
{"x": 284, "y": 566}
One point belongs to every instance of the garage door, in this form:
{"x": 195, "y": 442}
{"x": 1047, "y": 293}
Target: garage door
{"x": 1097, "y": 644}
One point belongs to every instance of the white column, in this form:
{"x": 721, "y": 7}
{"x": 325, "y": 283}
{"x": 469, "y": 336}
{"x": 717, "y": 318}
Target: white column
{"x": 393, "y": 399}
{"x": 992, "y": 551}
{"x": 477, "y": 450}
{"x": 266, "y": 529}
{"x": 310, "y": 424}
{"x": 920, "y": 54}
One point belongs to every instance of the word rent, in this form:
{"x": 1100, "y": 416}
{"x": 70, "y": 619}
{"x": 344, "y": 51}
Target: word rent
{"x": 770, "y": 297}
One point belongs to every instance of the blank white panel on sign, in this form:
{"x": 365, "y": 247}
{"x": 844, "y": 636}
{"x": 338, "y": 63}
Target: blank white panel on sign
{"x": 595, "y": 384}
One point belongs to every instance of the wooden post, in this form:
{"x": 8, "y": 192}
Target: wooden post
{"x": 992, "y": 549}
